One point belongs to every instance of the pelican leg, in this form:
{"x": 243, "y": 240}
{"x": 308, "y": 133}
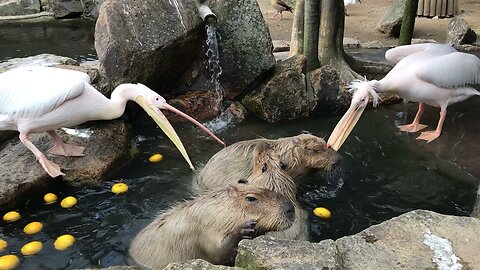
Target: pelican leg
{"x": 51, "y": 168}
{"x": 63, "y": 149}
{"x": 432, "y": 135}
{"x": 415, "y": 125}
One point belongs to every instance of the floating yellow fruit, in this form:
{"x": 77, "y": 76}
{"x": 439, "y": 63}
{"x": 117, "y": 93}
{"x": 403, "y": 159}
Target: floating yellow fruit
{"x": 50, "y": 198}
{"x": 8, "y": 262}
{"x": 68, "y": 202}
{"x": 156, "y": 158}
{"x": 3, "y": 244}
{"x": 119, "y": 188}
{"x": 11, "y": 216}
{"x": 33, "y": 227}
{"x": 31, "y": 248}
{"x": 63, "y": 242}
{"x": 322, "y": 212}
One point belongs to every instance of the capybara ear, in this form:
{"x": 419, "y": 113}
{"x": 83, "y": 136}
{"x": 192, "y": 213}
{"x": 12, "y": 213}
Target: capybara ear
{"x": 232, "y": 190}
{"x": 243, "y": 181}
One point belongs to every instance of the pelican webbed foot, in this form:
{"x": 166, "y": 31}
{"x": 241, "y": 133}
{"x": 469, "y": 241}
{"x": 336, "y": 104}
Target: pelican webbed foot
{"x": 413, "y": 127}
{"x": 51, "y": 168}
{"x": 429, "y": 136}
{"x": 68, "y": 150}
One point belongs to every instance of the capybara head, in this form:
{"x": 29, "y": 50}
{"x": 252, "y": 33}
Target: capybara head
{"x": 236, "y": 204}
{"x": 304, "y": 152}
{"x": 269, "y": 171}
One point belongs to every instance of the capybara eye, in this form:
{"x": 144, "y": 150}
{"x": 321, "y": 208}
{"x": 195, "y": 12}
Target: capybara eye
{"x": 283, "y": 165}
{"x": 243, "y": 181}
{"x": 264, "y": 167}
{"x": 250, "y": 199}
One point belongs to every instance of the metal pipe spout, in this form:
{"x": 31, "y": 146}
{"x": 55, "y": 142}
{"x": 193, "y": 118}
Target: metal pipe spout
{"x": 206, "y": 13}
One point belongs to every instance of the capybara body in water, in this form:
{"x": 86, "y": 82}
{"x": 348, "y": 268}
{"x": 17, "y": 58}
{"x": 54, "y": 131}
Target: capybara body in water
{"x": 302, "y": 153}
{"x": 211, "y": 225}
{"x": 269, "y": 171}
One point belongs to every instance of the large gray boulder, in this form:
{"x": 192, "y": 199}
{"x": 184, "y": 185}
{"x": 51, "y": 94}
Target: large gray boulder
{"x": 107, "y": 148}
{"x": 284, "y": 96}
{"x": 416, "y": 240}
{"x": 391, "y": 21}
{"x": 154, "y": 42}
{"x": 66, "y": 8}
{"x": 44, "y": 60}
{"x": 458, "y": 32}
{"x": 19, "y": 7}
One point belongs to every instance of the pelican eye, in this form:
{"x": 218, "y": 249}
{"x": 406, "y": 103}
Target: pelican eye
{"x": 157, "y": 99}
{"x": 250, "y": 199}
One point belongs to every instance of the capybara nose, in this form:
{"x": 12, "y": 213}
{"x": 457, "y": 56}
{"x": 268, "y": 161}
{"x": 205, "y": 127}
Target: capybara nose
{"x": 335, "y": 158}
{"x": 289, "y": 210}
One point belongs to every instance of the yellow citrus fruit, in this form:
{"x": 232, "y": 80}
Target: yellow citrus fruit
{"x": 50, "y": 198}
{"x": 3, "y": 244}
{"x": 63, "y": 242}
{"x": 322, "y": 212}
{"x": 156, "y": 158}
{"x": 33, "y": 227}
{"x": 11, "y": 216}
{"x": 68, "y": 202}
{"x": 119, "y": 188}
{"x": 31, "y": 248}
{"x": 8, "y": 262}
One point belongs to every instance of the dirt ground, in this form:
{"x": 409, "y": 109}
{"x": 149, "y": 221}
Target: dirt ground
{"x": 363, "y": 18}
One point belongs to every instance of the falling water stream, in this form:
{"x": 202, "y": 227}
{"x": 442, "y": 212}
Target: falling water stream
{"x": 383, "y": 174}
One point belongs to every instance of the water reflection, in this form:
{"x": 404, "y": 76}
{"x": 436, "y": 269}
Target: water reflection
{"x": 383, "y": 174}
{"x": 72, "y": 38}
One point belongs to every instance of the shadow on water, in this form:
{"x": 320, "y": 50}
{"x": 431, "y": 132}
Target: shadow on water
{"x": 384, "y": 173}
{"x": 72, "y": 38}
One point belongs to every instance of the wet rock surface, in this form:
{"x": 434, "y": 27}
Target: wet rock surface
{"x": 410, "y": 241}
{"x": 45, "y": 60}
{"x": 19, "y": 7}
{"x": 132, "y": 47}
{"x": 284, "y": 96}
{"x": 198, "y": 265}
{"x": 106, "y": 149}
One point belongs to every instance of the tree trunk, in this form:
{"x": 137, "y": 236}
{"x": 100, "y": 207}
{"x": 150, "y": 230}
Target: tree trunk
{"x": 408, "y": 22}
{"x": 331, "y": 52}
{"x": 296, "y": 41}
{"x": 311, "y": 25}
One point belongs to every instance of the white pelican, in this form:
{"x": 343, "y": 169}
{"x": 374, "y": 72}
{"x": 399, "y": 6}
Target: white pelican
{"x": 432, "y": 74}
{"x": 42, "y": 99}
{"x": 280, "y": 6}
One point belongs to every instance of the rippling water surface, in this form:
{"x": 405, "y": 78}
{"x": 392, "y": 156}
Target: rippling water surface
{"x": 384, "y": 173}
{"x": 73, "y": 38}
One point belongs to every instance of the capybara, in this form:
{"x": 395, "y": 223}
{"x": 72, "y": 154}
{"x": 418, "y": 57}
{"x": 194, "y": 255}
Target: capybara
{"x": 211, "y": 225}
{"x": 269, "y": 171}
{"x": 302, "y": 153}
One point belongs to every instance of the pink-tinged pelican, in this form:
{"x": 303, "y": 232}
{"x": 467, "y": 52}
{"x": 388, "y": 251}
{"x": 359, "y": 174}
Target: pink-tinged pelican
{"x": 432, "y": 74}
{"x": 42, "y": 99}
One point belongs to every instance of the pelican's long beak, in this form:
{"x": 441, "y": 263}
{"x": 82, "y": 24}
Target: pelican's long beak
{"x": 345, "y": 126}
{"x": 166, "y": 127}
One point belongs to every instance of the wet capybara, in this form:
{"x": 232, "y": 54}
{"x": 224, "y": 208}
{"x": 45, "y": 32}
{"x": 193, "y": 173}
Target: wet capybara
{"x": 270, "y": 172}
{"x": 211, "y": 225}
{"x": 302, "y": 153}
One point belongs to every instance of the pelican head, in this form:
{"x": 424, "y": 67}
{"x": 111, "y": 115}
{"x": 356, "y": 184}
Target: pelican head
{"x": 152, "y": 103}
{"x": 362, "y": 90}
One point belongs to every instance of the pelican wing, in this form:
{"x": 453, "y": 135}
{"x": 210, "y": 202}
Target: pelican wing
{"x": 33, "y": 91}
{"x": 396, "y": 54}
{"x": 452, "y": 70}
{"x": 283, "y": 4}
